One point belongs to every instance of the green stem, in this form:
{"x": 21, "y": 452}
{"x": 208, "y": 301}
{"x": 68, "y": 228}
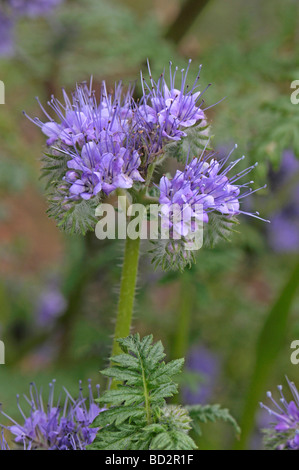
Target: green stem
{"x": 270, "y": 343}
{"x": 127, "y": 292}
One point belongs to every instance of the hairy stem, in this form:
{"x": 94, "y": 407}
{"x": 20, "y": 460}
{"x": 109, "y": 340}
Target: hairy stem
{"x": 127, "y": 292}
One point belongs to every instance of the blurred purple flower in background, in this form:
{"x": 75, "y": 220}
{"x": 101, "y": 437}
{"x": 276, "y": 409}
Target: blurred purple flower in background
{"x": 11, "y": 10}
{"x": 50, "y": 305}
{"x": 34, "y": 8}
{"x": 207, "y": 364}
{"x": 6, "y": 35}
{"x": 55, "y": 426}
{"x": 283, "y": 233}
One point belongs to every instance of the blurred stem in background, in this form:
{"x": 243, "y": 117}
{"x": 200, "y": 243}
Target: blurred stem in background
{"x": 183, "y": 317}
{"x": 188, "y": 14}
{"x": 268, "y": 347}
{"x": 183, "y": 321}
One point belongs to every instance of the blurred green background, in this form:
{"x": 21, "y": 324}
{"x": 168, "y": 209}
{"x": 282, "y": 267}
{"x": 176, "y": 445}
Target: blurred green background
{"x": 235, "y": 313}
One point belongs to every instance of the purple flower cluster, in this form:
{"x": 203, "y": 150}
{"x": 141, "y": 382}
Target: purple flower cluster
{"x": 9, "y": 13}
{"x": 115, "y": 142}
{"x": 95, "y": 170}
{"x": 166, "y": 112}
{"x": 97, "y": 140}
{"x": 204, "y": 182}
{"x": 53, "y": 426}
{"x": 109, "y": 144}
{"x": 286, "y": 416}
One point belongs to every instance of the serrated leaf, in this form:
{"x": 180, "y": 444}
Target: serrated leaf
{"x": 137, "y": 418}
{"x": 210, "y": 413}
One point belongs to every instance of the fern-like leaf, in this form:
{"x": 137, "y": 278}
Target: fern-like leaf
{"x": 137, "y": 417}
{"x": 210, "y": 413}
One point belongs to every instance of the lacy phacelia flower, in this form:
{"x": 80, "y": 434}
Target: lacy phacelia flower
{"x": 204, "y": 182}
{"x": 166, "y": 112}
{"x": 96, "y": 140}
{"x": 81, "y": 119}
{"x": 54, "y": 426}
{"x": 100, "y": 168}
{"x": 286, "y": 416}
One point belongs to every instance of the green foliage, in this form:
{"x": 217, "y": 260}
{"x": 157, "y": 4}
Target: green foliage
{"x": 281, "y": 133}
{"x": 219, "y": 228}
{"x": 210, "y": 413}
{"x": 193, "y": 144}
{"x": 171, "y": 432}
{"x": 13, "y": 175}
{"x": 171, "y": 255}
{"x": 54, "y": 167}
{"x": 274, "y": 440}
{"x": 75, "y": 217}
{"x": 137, "y": 417}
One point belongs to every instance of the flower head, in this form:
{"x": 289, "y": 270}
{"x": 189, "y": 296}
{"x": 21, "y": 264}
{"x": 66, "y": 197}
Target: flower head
{"x": 81, "y": 119}
{"x": 165, "y": 111}
{"x": 204, "y": 182}
{"x": 102, "y": 167}
{"x": 96, "y": 141}
{"x": 56, "y": 426}
{"x": 286, "y": 416}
